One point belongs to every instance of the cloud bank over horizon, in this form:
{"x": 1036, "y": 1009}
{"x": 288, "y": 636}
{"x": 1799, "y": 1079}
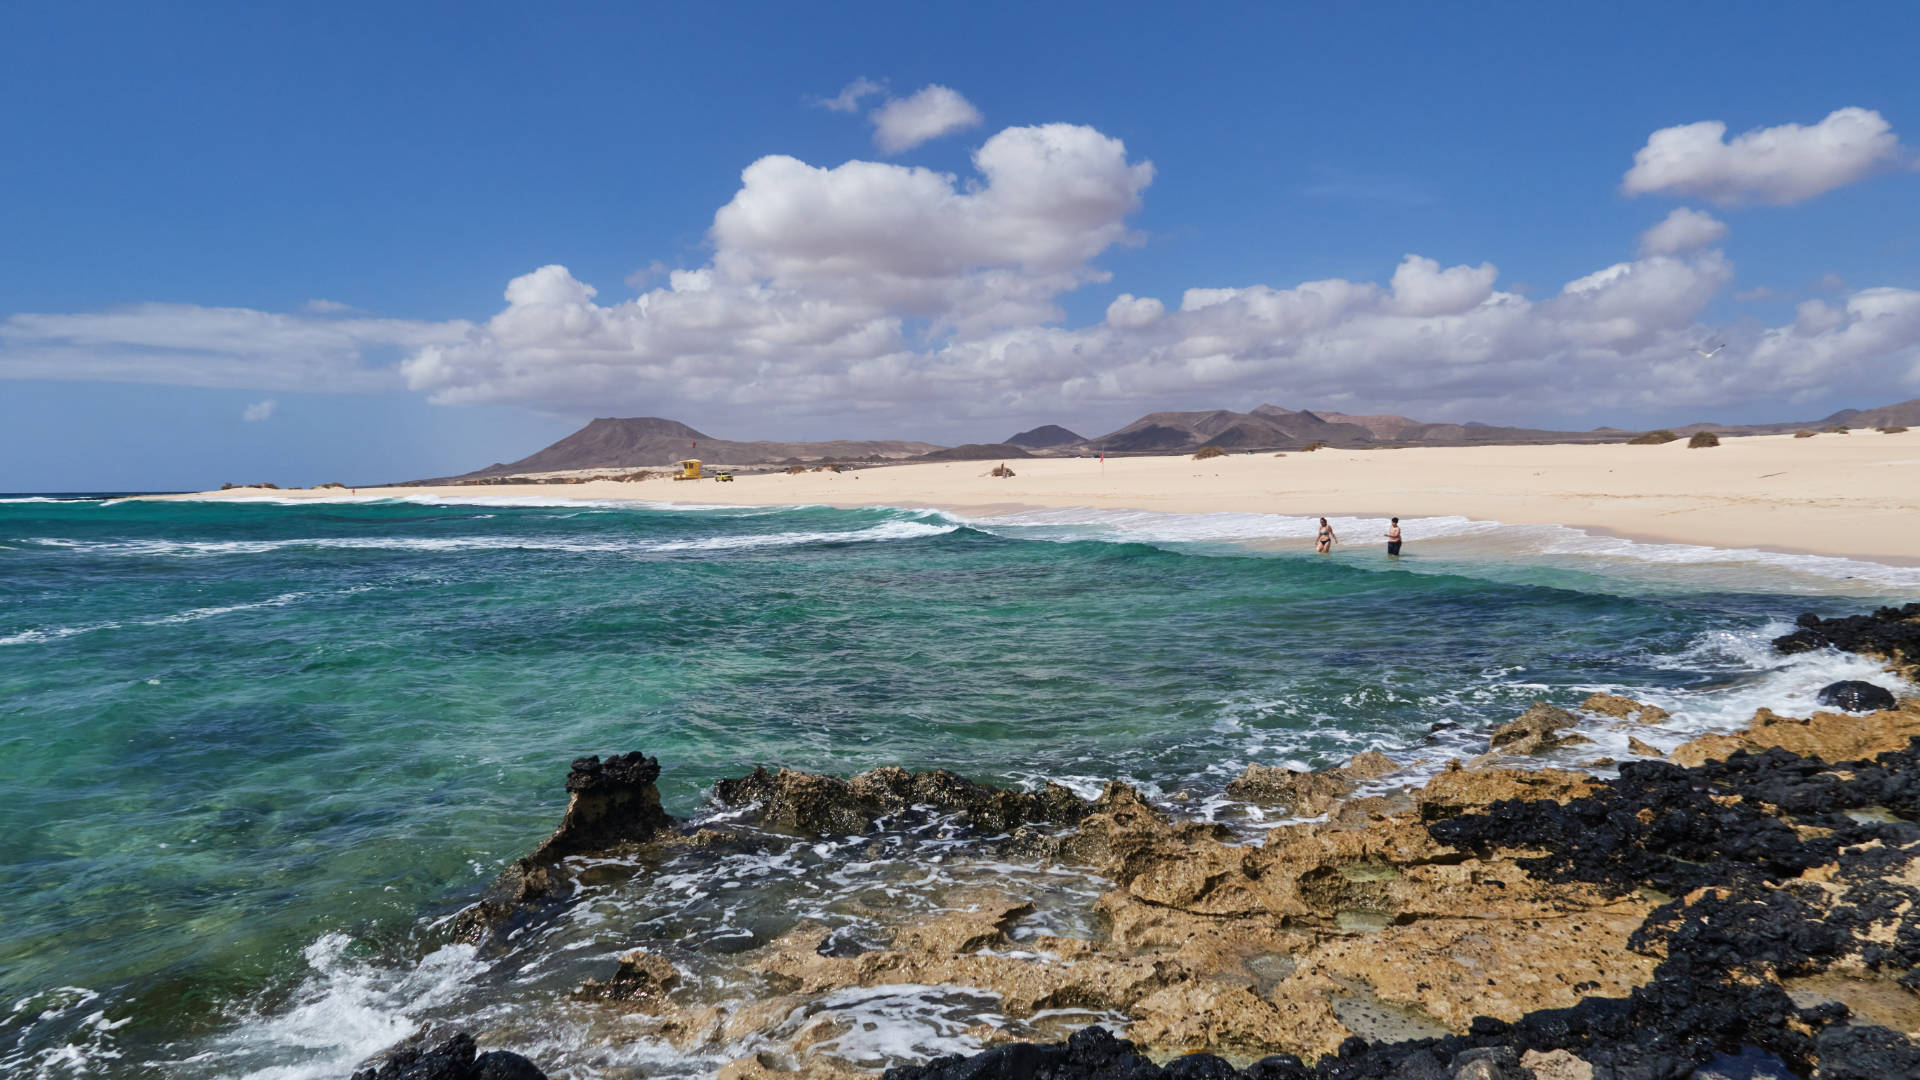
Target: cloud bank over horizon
{"x": 874, "y": 286}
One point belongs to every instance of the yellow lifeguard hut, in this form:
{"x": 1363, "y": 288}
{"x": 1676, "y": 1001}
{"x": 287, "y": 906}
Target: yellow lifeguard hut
{"x": 689, "y": 469}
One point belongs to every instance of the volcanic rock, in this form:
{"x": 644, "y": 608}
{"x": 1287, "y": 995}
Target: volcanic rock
{"x": 641, "y": 977}
{"x": 1624, "y": 708}
{"x": 1890, "y": 633}
{"x": 453, "y": 1059}
{"x": 1308, "y": 794}
{"x": 1537, "y": 731}
{"x": 813, "y": 804}
{"x": 609, "y": 803}
{"x": 1854, "y": 695}
{"x": 1827, "y": 736}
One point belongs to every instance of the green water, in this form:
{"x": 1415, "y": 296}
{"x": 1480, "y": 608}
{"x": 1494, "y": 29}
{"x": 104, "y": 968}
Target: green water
{"x": 231, "y": 731}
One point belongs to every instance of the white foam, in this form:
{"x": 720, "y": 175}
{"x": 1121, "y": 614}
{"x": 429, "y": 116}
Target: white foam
{"x": 197, "y": 549}
{"x": 902, "y": 1022}
{"x": 58, "y": 1034}
{"x": 345, "y": 1011}
{"x": 1457, "y": 538}
{"x": 55, "y": 633}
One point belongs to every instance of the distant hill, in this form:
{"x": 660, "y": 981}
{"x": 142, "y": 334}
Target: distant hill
{"x": 1904, "y": 414}
{"x": 1048, "y": 435}
{"x": 638, "y": 442}
{"x": 1265, "y": 427}
{"x": 977, "y": 452}
{"x": 653, "y": 442}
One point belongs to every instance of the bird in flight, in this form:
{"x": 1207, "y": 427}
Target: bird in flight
{"x": 1705, "y": 355}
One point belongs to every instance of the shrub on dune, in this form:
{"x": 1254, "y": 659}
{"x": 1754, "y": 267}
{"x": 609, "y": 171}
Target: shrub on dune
{"x": 1803, "y": 434}
{"x": 1894, "y": 430}
{"x": 1653, "y": 438}
{"x": 1209, "y": 452}
{"x": 1703, "y": 438}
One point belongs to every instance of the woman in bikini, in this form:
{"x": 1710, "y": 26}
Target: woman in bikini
{"x": 1324, "y": 543}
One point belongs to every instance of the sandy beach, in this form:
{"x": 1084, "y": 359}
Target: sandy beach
{"x": 1853, "y": 495}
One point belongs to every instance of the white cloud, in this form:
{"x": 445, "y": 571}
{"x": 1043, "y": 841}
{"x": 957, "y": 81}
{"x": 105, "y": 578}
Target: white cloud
{"x": 932, "y": 111}
{"x": 869, "y": 286}
{"x": 1420, "y": 287}
{"x": 189, "y": 345}
{"x": 849, "y": 98}
{"x": 1682, "y": 231}
{"x": 326, "y": 307}
{"x": 1783, "y": 164}
{"x": 258, "y": 411}
{"x": 1130, "y": 312}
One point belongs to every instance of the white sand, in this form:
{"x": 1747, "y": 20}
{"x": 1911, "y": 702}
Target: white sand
{"x": 1855, "y": 495}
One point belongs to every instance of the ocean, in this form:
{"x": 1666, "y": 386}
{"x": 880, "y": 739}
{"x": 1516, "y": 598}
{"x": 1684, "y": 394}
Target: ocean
{"x": 254, "y": 754}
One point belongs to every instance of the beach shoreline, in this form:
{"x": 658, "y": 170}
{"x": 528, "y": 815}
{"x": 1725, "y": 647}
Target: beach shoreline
{"x": 1843, "y": 496}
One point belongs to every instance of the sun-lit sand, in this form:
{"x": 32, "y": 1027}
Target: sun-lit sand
{"x": 1856, "y": 495}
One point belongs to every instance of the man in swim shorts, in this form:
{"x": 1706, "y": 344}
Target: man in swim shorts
{"x": 1393, "y": 538}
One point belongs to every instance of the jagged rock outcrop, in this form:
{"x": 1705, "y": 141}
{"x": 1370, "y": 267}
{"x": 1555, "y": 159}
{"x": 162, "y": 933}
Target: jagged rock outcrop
{"x": 815, "y": 804}
{"x": 1625, "y": 708}
{"x": 454, "y": 1059}
{"x": 1540, "y": 729}
{"x": 1768, "y": 880}
{"x": 1889, "y": 633}
{"x": 1308, "y": 793}
{"x": 1824, "y": 735}
{"x": 608, "y": 803}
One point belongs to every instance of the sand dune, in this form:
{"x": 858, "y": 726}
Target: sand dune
{"x": 1856, "y": 495}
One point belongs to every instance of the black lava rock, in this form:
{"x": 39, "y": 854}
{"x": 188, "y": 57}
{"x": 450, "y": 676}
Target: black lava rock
{"x": 1889, "y": 631}
{"x": 452, "y": 1059}
{"x": 1856, "y": 696}
{"x": 1677, "y": 830}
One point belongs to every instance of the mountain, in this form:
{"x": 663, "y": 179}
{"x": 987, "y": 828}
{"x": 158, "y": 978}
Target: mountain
{"x": 977, "y": 452}
{"x": 643, "y": 441}
{"x": 1041, "y": 438}
{"x": 1267, "y": 427}
{"x": 1903, "y": 414}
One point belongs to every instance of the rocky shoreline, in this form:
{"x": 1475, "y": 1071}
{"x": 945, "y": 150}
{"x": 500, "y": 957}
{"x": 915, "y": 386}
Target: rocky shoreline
{"x": 1751, "y": 901}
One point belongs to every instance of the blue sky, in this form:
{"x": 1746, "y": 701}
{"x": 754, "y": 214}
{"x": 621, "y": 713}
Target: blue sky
{"x": 323, "y": 209}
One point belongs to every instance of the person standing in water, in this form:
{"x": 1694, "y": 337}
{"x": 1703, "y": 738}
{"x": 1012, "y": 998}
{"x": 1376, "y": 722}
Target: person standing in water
{"x": 1393, "y": 538}
{"x": 1325, "y": 541}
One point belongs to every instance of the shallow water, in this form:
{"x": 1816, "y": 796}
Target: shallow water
{"x": 253, "y": 753}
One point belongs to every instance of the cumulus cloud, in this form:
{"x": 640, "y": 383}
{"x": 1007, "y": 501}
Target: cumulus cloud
{"x": 1783, "y": 164}
{"x": 240, "y": 348}
{"x": 849, "y": 98}
{"x": 878, "y": 288}
{"x": 932, "y": 111}
{"x": 1130, "y": 312}
{"x": 258, "y": 411}
{"x": 872, "y": 286}
{"x": 1682, "y": 231}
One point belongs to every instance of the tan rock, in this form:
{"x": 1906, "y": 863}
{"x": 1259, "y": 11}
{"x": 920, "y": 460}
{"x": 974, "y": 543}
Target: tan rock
{"x": 1458, "y": 789}
{"x": 1625, "y": 708}
{"x": 1308, "y": 793}
{"x": 1828, "y": 736}
{"x": 1231, "y": 1017}
{"x": 1556, "y": 1065}
{"x": 1643, "y": 749}
{"x": 1537, "y": 731}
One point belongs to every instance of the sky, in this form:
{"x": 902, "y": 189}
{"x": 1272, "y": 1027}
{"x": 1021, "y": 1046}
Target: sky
{"x": 380, "y": 242}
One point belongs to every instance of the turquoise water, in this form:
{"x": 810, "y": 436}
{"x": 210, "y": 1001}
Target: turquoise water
{"x": 251, "y": 752}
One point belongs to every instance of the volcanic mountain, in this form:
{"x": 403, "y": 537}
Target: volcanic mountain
{"x": 1047, "y": 435}
{"x": 636, "y": 442}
